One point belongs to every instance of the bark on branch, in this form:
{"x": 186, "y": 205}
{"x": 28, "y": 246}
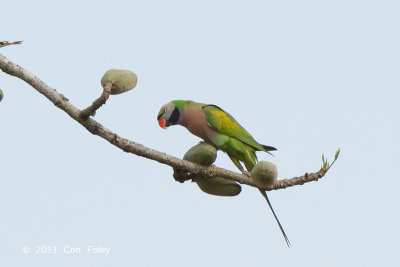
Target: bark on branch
{"x": 129, "y": 146}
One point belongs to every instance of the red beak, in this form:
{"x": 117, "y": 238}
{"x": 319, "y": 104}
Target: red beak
{"x": 162, "y": 122}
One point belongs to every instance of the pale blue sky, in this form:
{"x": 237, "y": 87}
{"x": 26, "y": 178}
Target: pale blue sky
{"x": 304, "y": 76}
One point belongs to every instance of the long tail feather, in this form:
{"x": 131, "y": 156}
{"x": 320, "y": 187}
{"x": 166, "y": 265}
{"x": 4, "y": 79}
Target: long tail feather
{"x": 276, "y": 218}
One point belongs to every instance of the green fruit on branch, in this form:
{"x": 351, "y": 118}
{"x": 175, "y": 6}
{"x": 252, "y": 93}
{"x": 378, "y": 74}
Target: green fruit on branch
{"x": 264, "y": 174}
{"x": 121, "y": 80}
{"x": 206, "y": 154}
{"x": 218, "y": 186}
{"x": 203, "y": 153}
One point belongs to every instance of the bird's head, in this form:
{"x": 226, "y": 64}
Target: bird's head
{"x": 168, "y": 115}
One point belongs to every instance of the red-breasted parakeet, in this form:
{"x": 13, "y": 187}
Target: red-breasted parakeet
{"x": 217, "y": 127}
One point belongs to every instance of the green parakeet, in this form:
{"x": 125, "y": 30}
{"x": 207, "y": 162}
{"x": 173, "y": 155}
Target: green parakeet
{"x": 220, "y": 129}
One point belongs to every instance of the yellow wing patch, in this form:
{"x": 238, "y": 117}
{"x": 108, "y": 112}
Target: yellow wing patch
{"x": 222, "y": 121}
{"x": 225, "y": 124}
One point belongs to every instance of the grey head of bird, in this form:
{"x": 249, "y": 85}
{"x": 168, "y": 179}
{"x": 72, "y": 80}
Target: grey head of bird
{"x": 168, "y": 115}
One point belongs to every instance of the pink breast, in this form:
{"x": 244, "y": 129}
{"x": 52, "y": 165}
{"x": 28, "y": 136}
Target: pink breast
{"x": 194, "y": 120}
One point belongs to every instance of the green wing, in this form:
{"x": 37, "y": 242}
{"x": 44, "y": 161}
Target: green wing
{"x": 225, "y": 124}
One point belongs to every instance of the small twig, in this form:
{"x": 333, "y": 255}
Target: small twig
{"x": 6, "y": 43}
{"x": 306, "y": 178}
{"x": 91, "y": 110}
{"x": 325, "y": 164}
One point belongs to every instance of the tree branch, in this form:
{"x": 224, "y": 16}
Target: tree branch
{"x": 7, "y": 43}
{"x": 96, "y": 128}
{"x": 91, "y": 110}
